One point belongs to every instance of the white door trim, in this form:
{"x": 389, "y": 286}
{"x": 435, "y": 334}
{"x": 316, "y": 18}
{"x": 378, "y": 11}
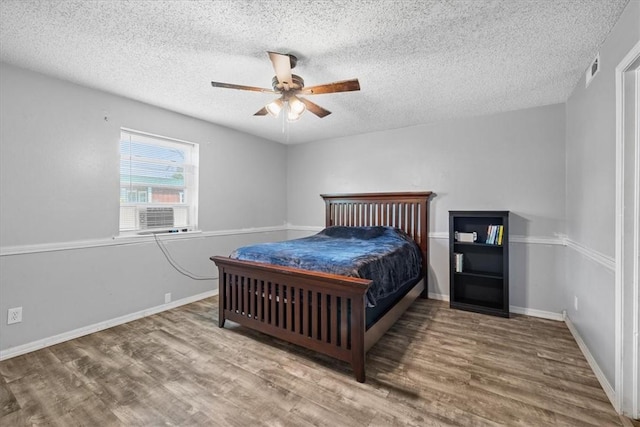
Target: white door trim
{"x": 620, "y": 256}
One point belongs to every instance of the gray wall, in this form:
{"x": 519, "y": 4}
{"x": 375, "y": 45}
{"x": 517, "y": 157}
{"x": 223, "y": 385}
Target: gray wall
{"x": 590, "y": 205}
{"x": 552, "y": 166}
{"x": 59, "y": 181}
{"x": 512, "y": 161}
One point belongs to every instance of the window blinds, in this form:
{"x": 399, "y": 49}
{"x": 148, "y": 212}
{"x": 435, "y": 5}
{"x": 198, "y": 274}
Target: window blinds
{"x": 158, "y": 182}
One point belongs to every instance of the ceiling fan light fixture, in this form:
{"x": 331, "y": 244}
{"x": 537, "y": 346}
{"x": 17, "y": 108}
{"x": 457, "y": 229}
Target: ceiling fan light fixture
{"x": 275, "y": 107}
{"x": 292, "y": 116}
{"x": 296, "y": 106}
{"x": 286, "y": 85}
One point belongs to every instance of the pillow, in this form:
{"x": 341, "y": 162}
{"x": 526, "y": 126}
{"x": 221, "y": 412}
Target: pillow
{"x": 362, "y": 233}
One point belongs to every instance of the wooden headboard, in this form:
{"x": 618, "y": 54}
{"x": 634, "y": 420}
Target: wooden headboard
{"x": 407, "y": 211}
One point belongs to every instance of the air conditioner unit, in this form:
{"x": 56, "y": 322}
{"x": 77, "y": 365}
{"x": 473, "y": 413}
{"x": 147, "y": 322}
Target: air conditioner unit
{"x": 155, "y": 218}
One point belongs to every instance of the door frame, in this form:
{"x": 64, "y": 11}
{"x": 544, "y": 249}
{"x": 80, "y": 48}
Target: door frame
{"x": 629, "y": 216}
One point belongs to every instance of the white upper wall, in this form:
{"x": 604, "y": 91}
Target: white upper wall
{"x": 510, "y": 161}
{"x": 591, "y": 135}
{"x": 59, "y": 163}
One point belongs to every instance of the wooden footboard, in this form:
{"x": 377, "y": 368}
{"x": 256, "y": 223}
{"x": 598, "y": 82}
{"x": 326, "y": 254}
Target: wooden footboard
{"x": 319, "y": 311}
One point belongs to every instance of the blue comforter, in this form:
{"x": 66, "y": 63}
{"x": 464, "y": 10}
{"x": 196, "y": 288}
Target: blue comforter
{"x": 386, "y": 255}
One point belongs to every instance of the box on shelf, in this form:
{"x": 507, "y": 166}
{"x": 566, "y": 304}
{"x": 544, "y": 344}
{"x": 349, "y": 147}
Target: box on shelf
{"x": 466, "y": 237}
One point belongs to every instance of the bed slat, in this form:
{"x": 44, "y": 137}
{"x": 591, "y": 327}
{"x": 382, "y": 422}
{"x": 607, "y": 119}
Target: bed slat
{"x": 314, "y": 315}
{"x": 343, "y": 325}
{"x": 333, "y": 326}
{"x": 245, "y": 295}
{"x": 260, "y": 300}
{"x": 324, "y": 317}
{"x": 278, "y": 297}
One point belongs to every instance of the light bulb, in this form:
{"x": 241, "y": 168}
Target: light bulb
{"x": 292, "y": 116}
{"x": 296, "y": 106}
{"x": 274, "y": 107}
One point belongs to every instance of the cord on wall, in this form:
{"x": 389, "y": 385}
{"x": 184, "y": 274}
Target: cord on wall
{"x": 175, "y": 265}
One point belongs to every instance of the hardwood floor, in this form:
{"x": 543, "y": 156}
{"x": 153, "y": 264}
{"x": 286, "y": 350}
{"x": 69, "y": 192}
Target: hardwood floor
{"x": 436, "y": 366}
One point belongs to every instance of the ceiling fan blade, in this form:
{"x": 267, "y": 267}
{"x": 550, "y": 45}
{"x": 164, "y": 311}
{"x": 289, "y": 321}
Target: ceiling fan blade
{"x": 282, "y": 66}
{"x": 315, "y": 108}
{"x": 342, "y": 86}
{"x": 262, "y": 112}
{"x": 241, "y": 87}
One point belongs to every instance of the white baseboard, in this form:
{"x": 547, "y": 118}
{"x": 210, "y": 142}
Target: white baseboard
{"x": 439, "y": 297}
{"x": 550, "y": 315}
{"x": 606, "y": 386}
{"x": 96, "y": 327}
{"x": 513, "y": 309}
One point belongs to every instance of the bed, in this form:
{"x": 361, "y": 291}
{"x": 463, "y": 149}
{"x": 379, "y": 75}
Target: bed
{"x": 328, "y": 313}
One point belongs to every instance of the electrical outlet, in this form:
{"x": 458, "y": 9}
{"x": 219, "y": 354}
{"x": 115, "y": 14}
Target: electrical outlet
{"x": 14, "y": 315}
{"x": 575, "y": 302}
{"x": 167, "y": 298}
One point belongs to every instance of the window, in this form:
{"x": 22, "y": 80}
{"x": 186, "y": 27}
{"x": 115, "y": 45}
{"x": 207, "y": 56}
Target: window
{"x": 158, "y": 183}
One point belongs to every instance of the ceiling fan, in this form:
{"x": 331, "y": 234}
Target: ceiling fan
{"x": 290, "y": 86}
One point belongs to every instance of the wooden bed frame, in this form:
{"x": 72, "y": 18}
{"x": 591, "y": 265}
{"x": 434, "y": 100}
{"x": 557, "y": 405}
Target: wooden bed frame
{"x": 324, "y": 312}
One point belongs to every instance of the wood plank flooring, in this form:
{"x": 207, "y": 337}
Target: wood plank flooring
{"x": 436, "y": 366}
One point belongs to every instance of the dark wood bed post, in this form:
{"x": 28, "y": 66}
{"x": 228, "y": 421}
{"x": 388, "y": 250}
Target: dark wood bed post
{"x": 358, "y": 350}
{"x": 424, "y": 246}
{"x": 221, "y": 298}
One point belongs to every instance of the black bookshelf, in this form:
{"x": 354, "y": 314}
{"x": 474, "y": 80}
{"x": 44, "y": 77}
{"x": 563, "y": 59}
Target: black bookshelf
{"x": 480, "y": 282}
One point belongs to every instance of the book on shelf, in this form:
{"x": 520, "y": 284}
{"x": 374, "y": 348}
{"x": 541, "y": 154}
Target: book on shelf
{"x": 458, "y": 260}
{"x": 489, "y": 240}
{"x": 494, "y": 234}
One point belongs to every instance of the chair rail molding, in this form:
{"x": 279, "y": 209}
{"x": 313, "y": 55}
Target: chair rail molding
{"x": 128, "y": 240}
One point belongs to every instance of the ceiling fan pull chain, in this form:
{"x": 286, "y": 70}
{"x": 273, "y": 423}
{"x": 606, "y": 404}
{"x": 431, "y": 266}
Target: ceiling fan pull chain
{"x": 288, "y": 124}
{"x": 283, "y": 122}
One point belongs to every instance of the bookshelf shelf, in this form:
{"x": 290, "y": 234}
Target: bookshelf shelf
{"x": 479, "y": 270}
{"x": 479, "y": 274}
{"x": 497, "y": 247}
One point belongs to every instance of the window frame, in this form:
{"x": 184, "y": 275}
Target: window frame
{"x": 191, "y": 185}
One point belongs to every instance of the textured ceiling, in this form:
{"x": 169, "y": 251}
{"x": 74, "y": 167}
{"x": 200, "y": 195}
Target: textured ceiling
{"x": 417, "y": 61}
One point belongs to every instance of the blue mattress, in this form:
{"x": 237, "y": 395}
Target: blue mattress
{"x": 385, "y": 255}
